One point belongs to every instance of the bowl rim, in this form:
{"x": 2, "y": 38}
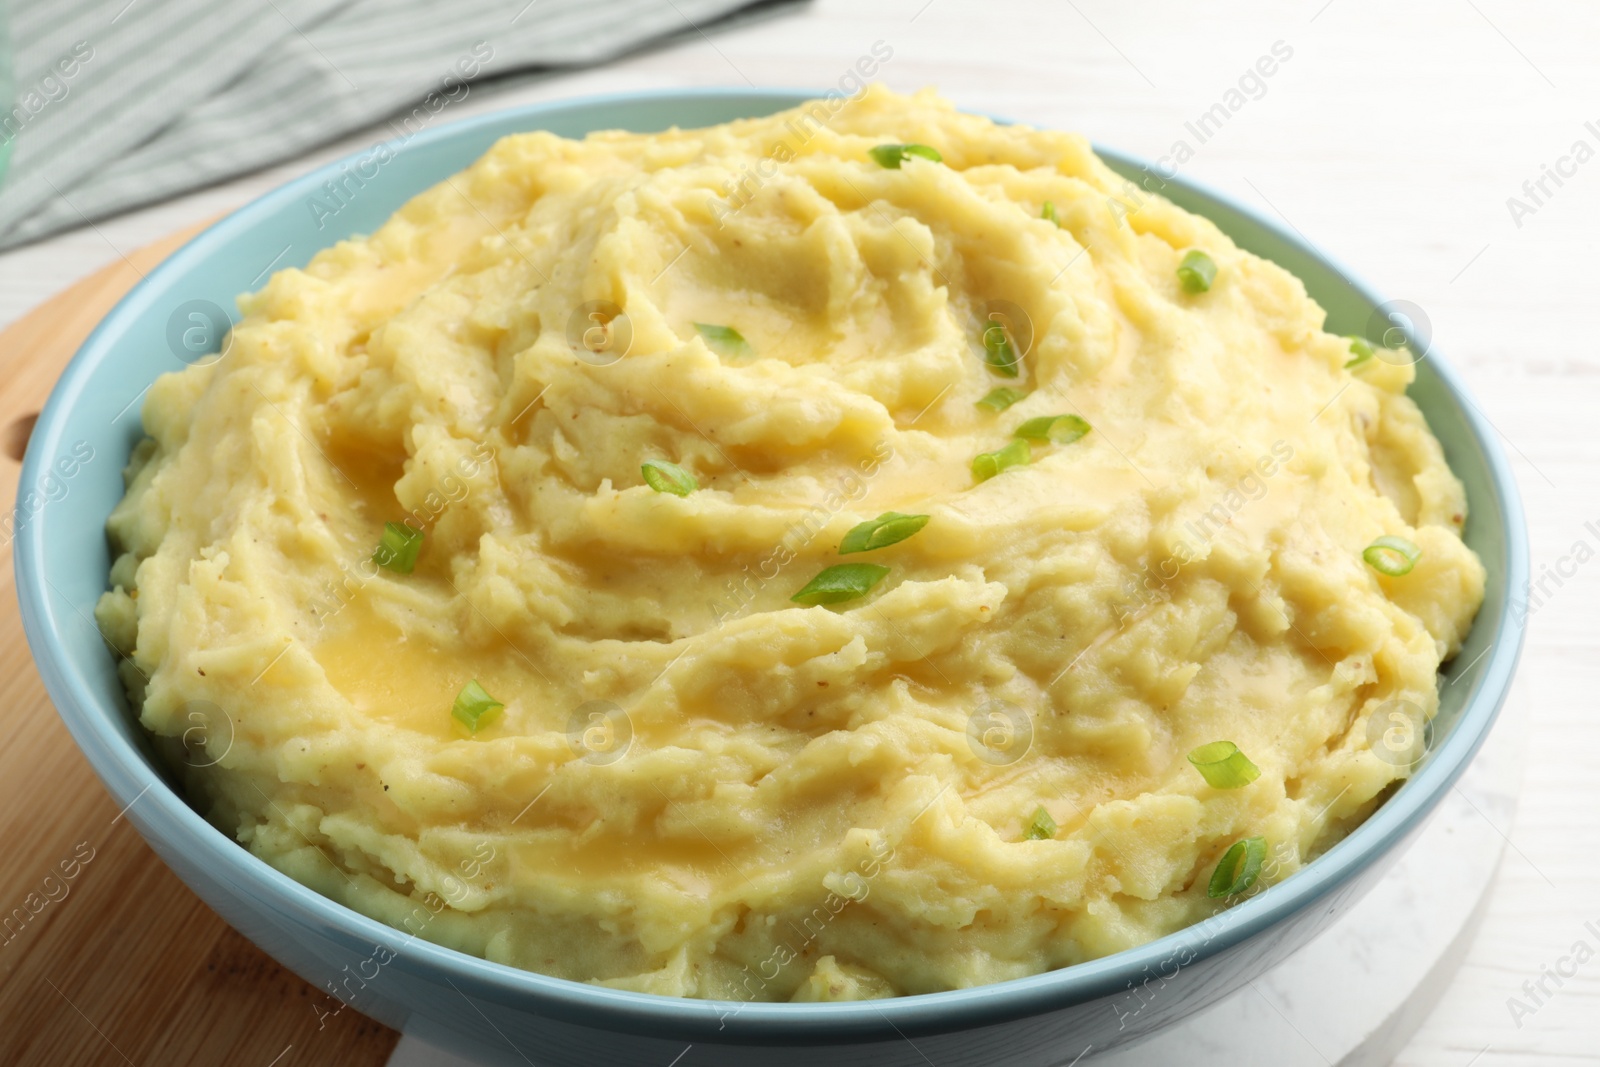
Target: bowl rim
{"x": 161, "y": 814}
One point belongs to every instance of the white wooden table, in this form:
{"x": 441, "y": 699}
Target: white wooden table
{"x": 1393, "y": 137}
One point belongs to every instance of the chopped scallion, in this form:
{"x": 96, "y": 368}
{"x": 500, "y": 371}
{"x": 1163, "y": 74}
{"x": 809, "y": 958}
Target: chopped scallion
{"x": 1392, "y": 556}
{"x": 666, "y": 477}
{"x": 1049, "y": 213}
{"x": 725, "y": 340}
{"x": 1238, "y": 869}
{"x": 1060, "y": 429}
{"x": 1223, "y": 766}
{"x": 1197, "y": 271}
{"x": 474, "y": 707}
{"x": 999, "y": 351}
{"x": 892, "y": 155}
{"x": 841, "y": 582}
{"x": 398, "y": 547}
{"x": 1362, "y": 351}
{"x": 1041, "y": 827}
{"x": 1000, "y": 398}
{"x": 987, "y": 464}
{"x": 889, "y": 528}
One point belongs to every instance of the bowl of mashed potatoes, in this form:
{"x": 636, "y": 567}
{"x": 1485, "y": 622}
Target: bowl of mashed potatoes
{"x": 764, "y": 573}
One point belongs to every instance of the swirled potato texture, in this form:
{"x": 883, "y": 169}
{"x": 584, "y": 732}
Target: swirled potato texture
{"x": 696, "y": 785}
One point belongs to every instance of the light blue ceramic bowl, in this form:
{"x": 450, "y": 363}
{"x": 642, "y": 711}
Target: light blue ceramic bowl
{"x": 501, "y": 1014}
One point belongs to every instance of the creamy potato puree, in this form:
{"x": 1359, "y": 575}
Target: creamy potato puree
{"x": 771, "y": 800}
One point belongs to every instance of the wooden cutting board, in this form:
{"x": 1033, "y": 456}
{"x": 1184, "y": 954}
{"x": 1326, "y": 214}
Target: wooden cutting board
{"x": 107, "y": 958}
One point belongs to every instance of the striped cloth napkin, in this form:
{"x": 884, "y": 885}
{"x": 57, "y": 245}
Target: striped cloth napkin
{"x": 124, "y": 102}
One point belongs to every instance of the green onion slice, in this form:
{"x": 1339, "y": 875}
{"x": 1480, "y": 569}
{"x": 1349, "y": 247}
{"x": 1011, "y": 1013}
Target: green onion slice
{"x": 887, "y": 529}
{"x": 474, "y": 707}
{"x": 1040, "y": 827}
{"x": 666, "y": 477}
{"x": 1238, "y": 869}
{"x": 1361, "y": 350}
{"x": 987, "y": 464}
{"x": 999, "y": 351}
{"x": 725, "y": 340}
{"x": 1393, "y": 556}
{"x": 1000, "y": 398}
{"x": 844, "y": 581}
{"x": 1061, "y": 429}
{"x": 892, "y": 155}
{"x": 1197, "y": 271}
{"x": 1049, "y": 212}
{"x": 1223, "y": 766}
{"x": 398, "y": 547}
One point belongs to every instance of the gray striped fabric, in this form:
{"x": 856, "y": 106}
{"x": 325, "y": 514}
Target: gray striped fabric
{"x": 124, "y": 102}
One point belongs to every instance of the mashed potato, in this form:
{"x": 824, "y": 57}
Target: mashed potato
{"x": 698, "y": 786}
